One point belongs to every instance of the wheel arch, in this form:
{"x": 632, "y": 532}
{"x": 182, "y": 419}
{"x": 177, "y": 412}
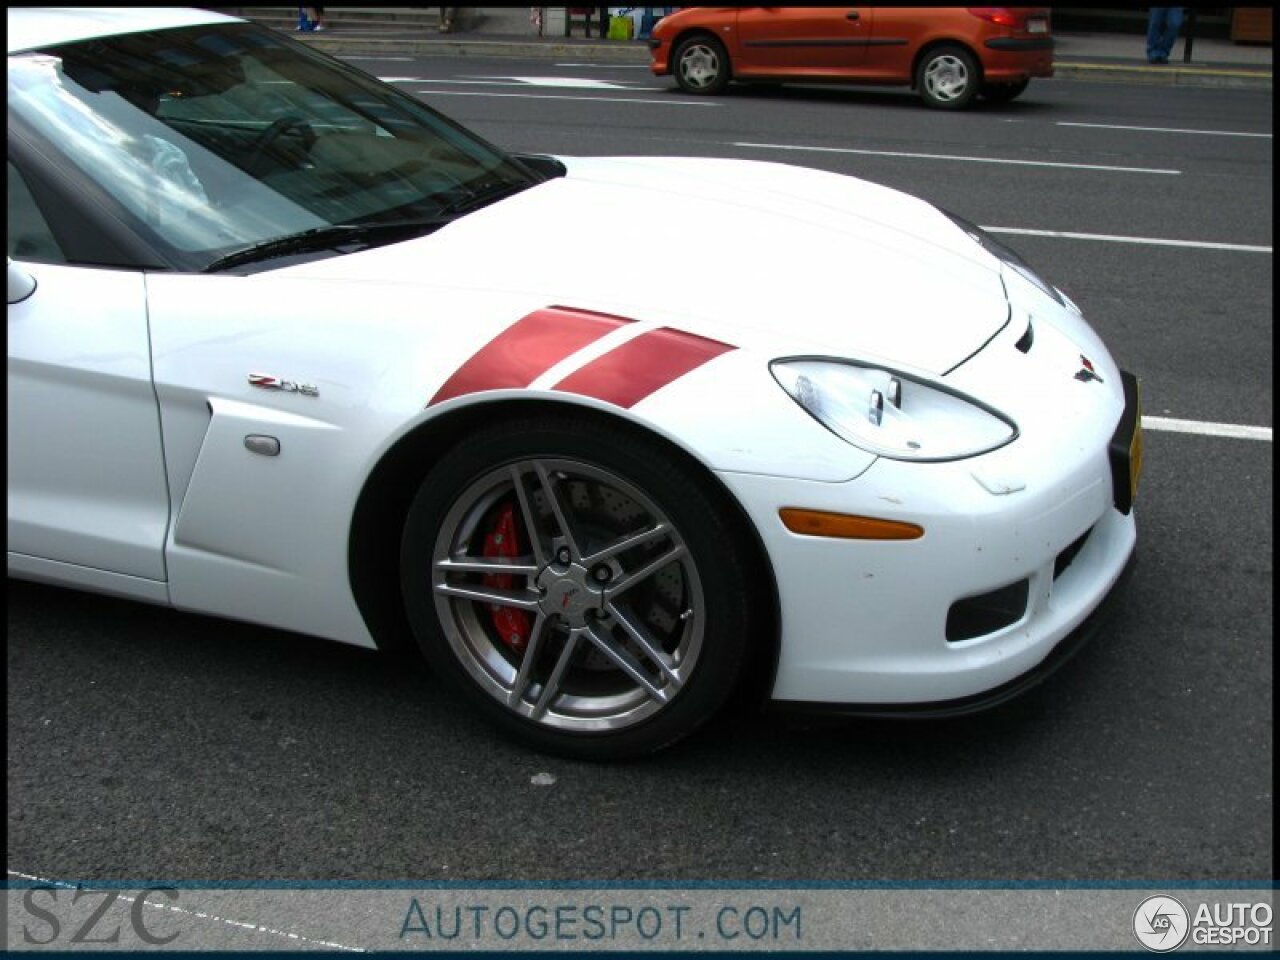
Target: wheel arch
{"x": 689, "y": 32}
{"x": 707, "y": 34}
{"x": 383, "y": 505}
{"x": 934, "y": 44}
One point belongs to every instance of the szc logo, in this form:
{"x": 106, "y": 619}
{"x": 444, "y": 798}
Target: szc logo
{"x": 1161, "y": 924}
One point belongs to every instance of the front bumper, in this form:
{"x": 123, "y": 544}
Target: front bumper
{"x": 868, "y": 624}
{"x": 659, "y": 57}
{"x": 1059, "y": 655}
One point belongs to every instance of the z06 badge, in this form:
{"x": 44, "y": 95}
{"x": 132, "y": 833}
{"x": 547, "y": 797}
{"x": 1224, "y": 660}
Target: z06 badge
{"x": 264, "y": 382}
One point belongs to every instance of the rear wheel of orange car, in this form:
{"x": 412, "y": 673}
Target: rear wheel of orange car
{"x": 701, "y": 65}
{"x": 1003, "y": 92}
{"x": 948, "y": 77}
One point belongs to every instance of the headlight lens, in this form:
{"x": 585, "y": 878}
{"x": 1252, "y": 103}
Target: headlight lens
{"x": 892, "y": 414}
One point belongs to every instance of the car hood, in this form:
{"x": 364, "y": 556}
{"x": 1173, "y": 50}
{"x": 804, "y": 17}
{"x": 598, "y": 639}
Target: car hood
{"x": 785, "y": 258}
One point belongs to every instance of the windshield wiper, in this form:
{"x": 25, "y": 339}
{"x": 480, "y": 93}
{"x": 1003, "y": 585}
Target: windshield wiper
{"x": 481, "y": 196}
{"x": 364, "y": 235}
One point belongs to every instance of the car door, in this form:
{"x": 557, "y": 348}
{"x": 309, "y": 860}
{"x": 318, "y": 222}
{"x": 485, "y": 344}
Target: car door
{"x": 801, "y": 41}
{"x": 85, "y": 465}
{"x": 899, "y": 33}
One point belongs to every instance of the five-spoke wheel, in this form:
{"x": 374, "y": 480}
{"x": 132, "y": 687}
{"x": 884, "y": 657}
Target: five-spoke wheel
{"x": 576, "y": 585}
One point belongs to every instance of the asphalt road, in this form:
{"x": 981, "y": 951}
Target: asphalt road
{"x": 146, "y": 744}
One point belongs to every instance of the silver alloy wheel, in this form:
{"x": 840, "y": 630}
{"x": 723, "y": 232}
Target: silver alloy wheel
{"x": 700, "y": 65}
{"x": 610, "y": 597}
{"x": 946, "y": 78}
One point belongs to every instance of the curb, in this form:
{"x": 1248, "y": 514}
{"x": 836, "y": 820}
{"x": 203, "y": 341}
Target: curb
{"x": 547, "y": 50}
{"x": 1166, "y": 76}
{"x": 638, "y": 54}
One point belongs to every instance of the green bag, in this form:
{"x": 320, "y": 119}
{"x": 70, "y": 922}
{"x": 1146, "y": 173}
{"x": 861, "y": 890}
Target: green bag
{"x": 620, "y": 28}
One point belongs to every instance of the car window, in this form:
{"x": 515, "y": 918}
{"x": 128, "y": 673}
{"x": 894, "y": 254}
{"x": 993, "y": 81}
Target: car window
{"x": 216, "y": 137}
{"x": 29, "y": 235}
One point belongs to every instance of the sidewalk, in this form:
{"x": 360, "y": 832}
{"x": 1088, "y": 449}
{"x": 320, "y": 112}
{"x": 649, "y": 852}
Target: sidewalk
{"x": 1117, "y": 57}
{"x": 1109, "y": 57}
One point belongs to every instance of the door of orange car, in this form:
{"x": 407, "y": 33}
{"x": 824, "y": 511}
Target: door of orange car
{"x": 826, "y": 41}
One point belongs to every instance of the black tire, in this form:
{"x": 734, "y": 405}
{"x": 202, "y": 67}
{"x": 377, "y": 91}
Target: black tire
{"x": 948, "y": 77}
{"x": 618, "y": 653}
{"x": 701, "y": 65}
{"x": 1003, "y": 92}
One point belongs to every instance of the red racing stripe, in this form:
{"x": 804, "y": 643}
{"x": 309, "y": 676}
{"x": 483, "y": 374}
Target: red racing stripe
{"x": 626, "y": 375}
{"x": 527, "y": 349}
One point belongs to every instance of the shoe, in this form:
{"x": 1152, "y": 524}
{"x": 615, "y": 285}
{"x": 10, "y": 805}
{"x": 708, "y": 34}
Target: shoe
{"x": 318, "y": 27}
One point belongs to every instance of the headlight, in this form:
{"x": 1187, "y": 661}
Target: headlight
{"x": 1007, "y": 255}
{"x": 891, "y": 414}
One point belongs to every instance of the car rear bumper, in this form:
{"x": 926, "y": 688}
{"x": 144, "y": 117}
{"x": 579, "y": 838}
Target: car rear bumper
{"x": 1012, "y": 59}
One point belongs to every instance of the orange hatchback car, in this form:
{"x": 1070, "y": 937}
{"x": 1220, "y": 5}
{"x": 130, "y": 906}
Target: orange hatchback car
{"x": 948, "y": 54}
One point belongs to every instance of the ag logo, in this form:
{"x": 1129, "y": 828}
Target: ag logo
{"x": 1161, "y": 924}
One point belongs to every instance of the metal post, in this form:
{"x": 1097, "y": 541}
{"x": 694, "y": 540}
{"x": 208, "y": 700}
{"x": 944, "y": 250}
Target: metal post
{"x": 1191, "y": 35}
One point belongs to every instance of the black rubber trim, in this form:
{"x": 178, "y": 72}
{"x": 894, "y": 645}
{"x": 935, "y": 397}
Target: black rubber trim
{"x": 1015, "y": 44}
{"x": 859, "y": 42}
{"x": 1067, "y": 647}
{"x": 1118, "y": 448}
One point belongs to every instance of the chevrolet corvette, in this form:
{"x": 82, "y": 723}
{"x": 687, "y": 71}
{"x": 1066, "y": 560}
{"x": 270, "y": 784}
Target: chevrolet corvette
{"x": 288, "y": 346}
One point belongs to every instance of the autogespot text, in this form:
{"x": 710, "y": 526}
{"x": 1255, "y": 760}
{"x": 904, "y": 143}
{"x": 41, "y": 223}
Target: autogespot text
{"x": 601, "y": 922}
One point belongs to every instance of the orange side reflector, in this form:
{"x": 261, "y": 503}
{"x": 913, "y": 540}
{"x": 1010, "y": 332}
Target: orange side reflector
{"x": 820, "y": 523}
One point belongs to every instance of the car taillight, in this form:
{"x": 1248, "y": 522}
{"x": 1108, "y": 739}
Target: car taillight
{"x": 1003, "y": 16}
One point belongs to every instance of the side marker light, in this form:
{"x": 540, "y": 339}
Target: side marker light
{"x": 820, "y": 523}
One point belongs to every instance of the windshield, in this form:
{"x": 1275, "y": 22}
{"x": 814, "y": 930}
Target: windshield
{"x": 213, "y": 139}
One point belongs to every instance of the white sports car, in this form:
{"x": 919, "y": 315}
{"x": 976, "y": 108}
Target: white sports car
{"x": 288, "y": 346}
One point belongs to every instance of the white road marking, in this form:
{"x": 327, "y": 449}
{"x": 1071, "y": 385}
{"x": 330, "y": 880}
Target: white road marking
{"x": 1203, "y": 133}
{"x": 584, "y": 83}
{"x": 256, "y": 928}
{"x": 1153, "y": 241}
{"x": 1207, "y": 429}
{"x": 559, "y": 82}
{"x": 960, "y": 157}
{"x": 544, "y": 96}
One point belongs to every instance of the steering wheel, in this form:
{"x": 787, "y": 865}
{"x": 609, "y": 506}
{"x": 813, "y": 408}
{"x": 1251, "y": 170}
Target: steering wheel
{"x": 276, "y": 130}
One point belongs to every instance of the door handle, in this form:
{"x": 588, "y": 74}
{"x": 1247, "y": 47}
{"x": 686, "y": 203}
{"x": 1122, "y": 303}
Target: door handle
{"x": 854, "y": 15}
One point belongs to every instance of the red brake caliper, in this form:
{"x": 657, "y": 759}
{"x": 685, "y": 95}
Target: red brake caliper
{"x": 502, "y": 541}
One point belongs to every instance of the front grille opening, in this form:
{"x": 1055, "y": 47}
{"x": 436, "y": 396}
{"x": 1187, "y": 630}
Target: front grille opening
{"x": 1063, "y": 560}
{"x": 987, "y": 612}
